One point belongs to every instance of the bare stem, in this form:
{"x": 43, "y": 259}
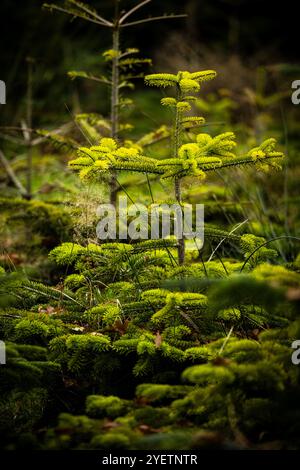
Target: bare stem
{"x": 177, "y": 183}
{"x": 115, "y": 86}
{"x": 137, "y": 7}
{"x": 94, "y": 19}
{"x": 83, "y": 7}
{"x": 29, "y": 126}
{"x": 93, "y": 78}
{"x": 153, "y": 18}
{"x": 13, "y": 177}
{"x": 115, "y": 100}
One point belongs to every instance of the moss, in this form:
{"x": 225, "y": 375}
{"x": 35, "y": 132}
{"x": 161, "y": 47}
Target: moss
{"x": 98, "y": 406}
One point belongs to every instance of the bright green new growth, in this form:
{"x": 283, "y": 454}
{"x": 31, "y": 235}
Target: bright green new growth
{"x": 189, "y": 159}
{"x": 108, "y": 156}
{"x": 185, "y": 81}
{"x": 207, "y": 153}
{"x": 211, "y": 153}
{"x": 194, "y": 159}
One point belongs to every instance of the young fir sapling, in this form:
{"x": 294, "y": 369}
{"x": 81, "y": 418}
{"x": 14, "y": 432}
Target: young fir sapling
{"x": 241, "y": 387}
{"x": 190, "y": 159}
{"x": 120, "y": 60}
{"x": 185, "y": 84}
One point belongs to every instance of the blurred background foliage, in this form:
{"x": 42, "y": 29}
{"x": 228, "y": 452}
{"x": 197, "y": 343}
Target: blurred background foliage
{"x": 251, "y": 44}
{"x": 235, "y": 36}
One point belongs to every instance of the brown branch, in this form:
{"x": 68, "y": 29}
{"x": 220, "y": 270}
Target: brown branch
{"x": 39, "y": 140}
{"x": 93, "y": 78}
{"x": 10, "y": 138}
{"x": 91, "y": 12}
{"x": 153, "y": 18}
{"x": 74, "y": 14}
{"x": 137, "y": 7}
{"x": 188, "y": 318}
{"x": 97, "y": 79}
{"x": 10, "y": 172}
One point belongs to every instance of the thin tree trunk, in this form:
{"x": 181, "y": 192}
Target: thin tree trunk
{"x": 177, "y": 183}
{"x": 28, "y": 133}
{"x": 115, "y": 103}
{"x": 181, "y": 245}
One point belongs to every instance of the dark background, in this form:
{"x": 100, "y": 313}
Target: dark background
{"x": 257, "y": 31}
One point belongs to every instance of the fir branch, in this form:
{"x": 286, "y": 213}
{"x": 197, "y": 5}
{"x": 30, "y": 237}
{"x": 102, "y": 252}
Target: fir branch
{"x": 82, "y": 74}
{"x": 130, "y": 12}
{"x": 282, "y": 237}
{"x": 86, "y": 14}
{"x": 90, "y": 11}
{"x": 161, "y": 79}
{"x": 238, "y": 161}
{"x": 153, "y": 18}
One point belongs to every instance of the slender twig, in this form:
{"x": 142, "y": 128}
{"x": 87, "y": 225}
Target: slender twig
{"x": 115, "y": 98}
{"x": 9, "y": 170}
{"x": 10, "y": 138}
{"x": 266, "y": 243}
{"x": 171, "y": 257}
{"x": 153, "y": 18}
{"x": 54, "y": 290}
{"x": 189, "y": 319}
{"x": 64, "y": 129}
{"x": 28, "y": 125}
{"x": 100, "y": 80}
{"x": 225, "y": 341}
{"x": 93, "y": 77}
{"x": 25, "y": 131}
{"x": 115, "y": 87}
{"x": 15, "y": 128}
{"x": 85, "y": 135}
{"x": 225, "y": 238}
{"x": 177, "y": 181}
{"x": 137, "y": 7}
{"x": 128, "y": 52}
{"x": 90, "y": 12}
{"x": 64, "y": 10}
